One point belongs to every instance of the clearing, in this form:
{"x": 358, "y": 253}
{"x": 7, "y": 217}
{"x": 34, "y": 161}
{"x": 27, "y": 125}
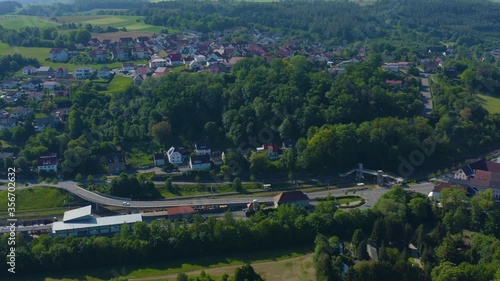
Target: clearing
{"x": 18, "y": 22}
{"x": 38, "y": 198}
{"x": 492, "y": 104}
{"x": 131, "y": 23}
{"x": 294, "y": 269}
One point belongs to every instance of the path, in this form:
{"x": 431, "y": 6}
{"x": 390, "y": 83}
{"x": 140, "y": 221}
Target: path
{"x": 426, "y": 93}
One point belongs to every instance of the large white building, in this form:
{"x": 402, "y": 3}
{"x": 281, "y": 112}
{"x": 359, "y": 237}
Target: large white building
{"x": 80, "y": 222}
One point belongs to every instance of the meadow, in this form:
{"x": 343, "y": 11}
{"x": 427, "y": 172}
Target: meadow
{"x": 38, "y": 198}
{"x": 296, "y": 264}
{"x": 492, "y": 104}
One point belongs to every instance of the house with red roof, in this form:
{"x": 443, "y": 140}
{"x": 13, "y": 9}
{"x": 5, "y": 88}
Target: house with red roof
{"x": 297, "y": 198}
{"x": 180, "y": 212}
{"x": 435, "y": 194}
{"x": 47, "y": 163}
{"x": 175, "y": 59}
{"x": 58, "y": 54}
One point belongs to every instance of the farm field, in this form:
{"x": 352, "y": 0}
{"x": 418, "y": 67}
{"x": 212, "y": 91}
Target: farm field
{"x": 131, "y": 23}
{"x": 492, "y": 104}
{"x": 18, "y": 22}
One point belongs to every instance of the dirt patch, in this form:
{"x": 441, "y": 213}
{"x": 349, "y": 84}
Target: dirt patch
{"x": 294, "y": 269}
{"x": 115, "y": 36}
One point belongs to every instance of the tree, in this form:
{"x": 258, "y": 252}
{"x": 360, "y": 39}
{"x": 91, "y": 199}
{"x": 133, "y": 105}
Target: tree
{"x": 237, "y": 184}
{"x": 382, "y": 253}
{"x": 75, "y": 123}
{"x": 357, "y": 237}
{"x": 90, "y": 178}
{"x": 182, "y": 277}
{"x": 260, "y": 163}
{"x": 246, "y": 273}
{"x": 78, "y": 177}
{"x": 82, "y": 36}
{"x": 162, "y": 133}
{"x": 362, "y": 252}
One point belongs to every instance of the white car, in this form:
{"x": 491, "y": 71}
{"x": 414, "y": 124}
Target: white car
{"x": 126, "y": 204}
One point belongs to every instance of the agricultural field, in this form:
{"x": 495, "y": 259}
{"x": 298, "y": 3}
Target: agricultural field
{"x": 492, "y": 104}
{"x": 131, "y": 23}
{"x": 18, "y": 22}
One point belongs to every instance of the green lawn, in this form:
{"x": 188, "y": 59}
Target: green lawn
{"x": 140, "y": 154}
{"x": 18, "y": 22}
{"x": 492, "y": 104}
{"x": 37, "y": 198}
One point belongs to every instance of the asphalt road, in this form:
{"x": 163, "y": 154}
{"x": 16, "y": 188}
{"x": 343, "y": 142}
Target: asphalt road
{"x": 426, "y": 93}
{"x": 371, "y": 195}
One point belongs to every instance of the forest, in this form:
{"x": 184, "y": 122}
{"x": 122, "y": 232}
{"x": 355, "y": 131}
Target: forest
{"x": 458, "y": 241}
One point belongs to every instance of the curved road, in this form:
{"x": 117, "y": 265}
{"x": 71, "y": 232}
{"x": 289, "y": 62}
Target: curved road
{"x": 371, "y": 195}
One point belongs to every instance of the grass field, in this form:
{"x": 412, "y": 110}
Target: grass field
{"x": 492, "y": 104}
{"x": 272, "y": 264}
{"x": 18, "y": 22}
{"x": 131, "y": 23}
{"x": 37, "y": 198}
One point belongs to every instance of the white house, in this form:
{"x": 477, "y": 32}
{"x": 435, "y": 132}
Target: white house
{"x": 83, "y": 73}
{"x": 200, "y": 162}
{"x": 27, "y": 70}
{"x": 154, "y": 63}
{"x": 174, "y": 156}
{"x": 47, "y": 163}
{"x": 58, "y": 54}
{"x": 50, "y": 85}
{"x": 104, "y": 72}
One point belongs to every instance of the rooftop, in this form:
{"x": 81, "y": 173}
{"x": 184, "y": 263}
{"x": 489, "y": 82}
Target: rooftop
{"x": 96, "y": 222}
{"x": 291, "y": 196}
{"x": 78, "y": 214}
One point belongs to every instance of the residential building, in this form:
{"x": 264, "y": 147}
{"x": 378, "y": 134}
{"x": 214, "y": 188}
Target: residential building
{"x": 4, "y": 155}
{"x": 27, "y": 70}
{"x": 138, "y": 79}
{"x": 62, "y": 72}
{"x": 10, "y": 84}
{"x": 36, "y": 96}
{"x": 83, "y": 73}
{"x": 58, "y": 54}
{"x": 120, "y": 54}
{"x": 32, "y": 84}
{"x": 99, "y": 55}
{"x": 104, "y": 73}
{"x": 154, "y": 63}
{"x": 41, "y": 123}
{"x": 201, "y": 59}
{"x": 80, "y": 222}
{"x": 216, "y": 158}
{"x": 116, "y": 163}
{"x": 174, "y": 156}
{"x": 200, "y": 162}
{"x": 139, "y": 52}
{"x": 47, "y": 163}
{"x": 467, "y": 171}
{"x": 159, "y": 159}
{"x": 142, "y": 70}
{"x": 161, "y": 71}
{"x": 202, "y": 148}
{"x": 8, "y": 123}
{"x": 20, "y": 112}
{"x": 128, "y": 66}
{"x": 175, "y": 59}
{"x": 297, "y": 198}
{"x": 50, "y": 85}
{"x": 45, "y": 71}
{"x": 435, "y": 194}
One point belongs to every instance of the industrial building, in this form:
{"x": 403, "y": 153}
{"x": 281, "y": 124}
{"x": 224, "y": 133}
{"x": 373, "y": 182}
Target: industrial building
{"x": 81, "y": 222}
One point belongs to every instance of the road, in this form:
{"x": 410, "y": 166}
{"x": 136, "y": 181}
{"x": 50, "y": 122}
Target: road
{"x": 426, "y": 93}
{"x": 371, "y": 195}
